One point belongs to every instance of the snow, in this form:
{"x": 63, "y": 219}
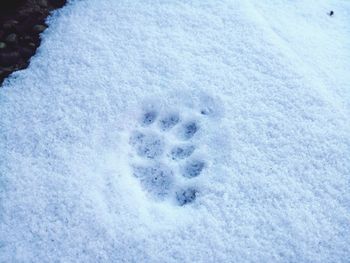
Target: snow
{"x": 90, "y": 169}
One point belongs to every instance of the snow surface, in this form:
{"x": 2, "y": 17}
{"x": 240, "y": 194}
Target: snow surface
{"x": 259, "y": 90}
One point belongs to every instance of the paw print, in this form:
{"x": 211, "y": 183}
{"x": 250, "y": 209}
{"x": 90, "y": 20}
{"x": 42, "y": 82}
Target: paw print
{"x": 163, "y": 148}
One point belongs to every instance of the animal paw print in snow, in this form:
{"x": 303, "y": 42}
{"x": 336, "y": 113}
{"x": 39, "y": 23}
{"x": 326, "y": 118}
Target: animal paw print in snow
{"x": 164, "y": 150}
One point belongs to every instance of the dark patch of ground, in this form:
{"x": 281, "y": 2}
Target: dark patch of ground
{"x": 21, "y": 22}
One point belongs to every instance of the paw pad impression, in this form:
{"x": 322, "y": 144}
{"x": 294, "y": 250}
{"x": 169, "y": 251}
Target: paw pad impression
{"x": 164, "y": 148}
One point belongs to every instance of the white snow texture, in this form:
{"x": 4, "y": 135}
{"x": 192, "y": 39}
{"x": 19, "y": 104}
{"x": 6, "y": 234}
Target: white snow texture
{"x": 180, "y": 131}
